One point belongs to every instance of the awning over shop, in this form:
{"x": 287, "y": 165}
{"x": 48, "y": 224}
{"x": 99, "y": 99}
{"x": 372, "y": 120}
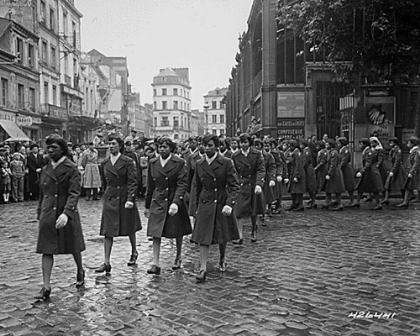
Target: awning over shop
{"x": 13, "y": 130}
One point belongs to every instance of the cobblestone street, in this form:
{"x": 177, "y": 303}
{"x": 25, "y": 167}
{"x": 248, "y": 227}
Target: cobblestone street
{"x": 308, "y": 274}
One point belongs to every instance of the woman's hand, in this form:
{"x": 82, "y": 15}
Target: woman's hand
{"x": 129, "y": 205}
{"x": 258, "y": 190}
{"x": 227, "y": 210}
{"x": 61, "y": 221}
{"x": 359, "y": 174}
{"x": 173, "y": 209}
{"x": 146, "y": 213}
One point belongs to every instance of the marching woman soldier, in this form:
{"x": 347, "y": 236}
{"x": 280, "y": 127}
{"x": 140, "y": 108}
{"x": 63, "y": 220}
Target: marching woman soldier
{"x": 346, "y": 167}
{"x": 370, "y": 177}
{"x": 281, "y": 173}
{"x": 311, "y": 183}
{"x": 321, "y": 168}
{"x": 191, "y": 164}
{"x": 167, "y": 184}
{"x": 413, "y": 171}
{"x": 334, "y": 183}
{"x": 297, "y": 184}
{"x": 379, "y": 157}
{"x": 249, "y": 164}
{"x": 269, "y": 191}
{"x": 217, "y": 188}
{"x": 60, "y": 231}
{"x": 120, "y": 216}
{"x": 396, "y": 176}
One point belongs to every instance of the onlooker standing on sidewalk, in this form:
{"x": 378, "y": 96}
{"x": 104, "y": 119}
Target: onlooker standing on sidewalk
{"x": 60, "y": 231}
{"x": 5, "y": 181}
{"x": 91, "y": 176}
{"x": 17, "y": 169}
{"x": 35, "y": 163}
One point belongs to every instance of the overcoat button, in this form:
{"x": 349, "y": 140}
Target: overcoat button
{"x": 215, "y": 201}
{"x": 215, "y": 189}
{"x": 166, "y": 199}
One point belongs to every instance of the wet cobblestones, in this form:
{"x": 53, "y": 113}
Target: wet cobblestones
{"x": 305, "y": 275}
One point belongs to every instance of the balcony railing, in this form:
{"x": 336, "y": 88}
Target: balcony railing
{"x": 54, "y": 111}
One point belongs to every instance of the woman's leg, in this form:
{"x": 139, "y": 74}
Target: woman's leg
{"x": 132, "y": 238}
{"x": 47, "y": 264}
{"x": 156, "y": 251}
{"x": 178, "y": 248}
{"x": 240, "y": 223}
{"x": 222, "y": 261}
{"x": 204, "y": 253}
{"x": 108, "y": 247}
{"x": 253, "y": 228}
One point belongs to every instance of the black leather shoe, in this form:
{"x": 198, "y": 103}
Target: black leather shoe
{"x": 133, "y": 259}
{"x": 354, "y": 205}
{"x": 222, "y": 266}
{"x": 254, "y": 236}
{"x": 325, "y": 206}
{"x": 338, "y": 208}
{"x": 402, "y": 205}
{"x": 44, "y": 294}
{"x": 238, "y": 242}
{"x": 154, "y": 270}
{"x": 290, "y": 208}
{"x": 177, "y": 264}
{"x": 80, "y": 278}
{"x": 386, "y": 202}
{"x": 299, "y": 208}
{"x": 377, "y": 207}
{"x": 201, "y": 277}
{"x": 104, "y": 268}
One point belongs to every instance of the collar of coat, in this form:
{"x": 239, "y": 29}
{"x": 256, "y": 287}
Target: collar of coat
{"x": 121, "y": 162}
{"x": 206, "y": 167}
{"x": 171, "y": 164}
{"x": 61, "y": 169}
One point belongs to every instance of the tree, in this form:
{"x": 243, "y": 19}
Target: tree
{"x": 360, "y": 39}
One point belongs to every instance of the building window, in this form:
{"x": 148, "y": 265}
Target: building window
{"x": 164, "y": 92}
{"x": 176, "y": 136}
{"x": 154, "y": 92}
{"x": 44, "y": 53}
{"x": 65, "y": 25}
{"x": 222, "y": 118}
{"x": 214, "y": 118}
{"x": 222, "y": 106}
{"x": 31, "y": 55}
{"x": 21, "y": 96}
{"x": 164, "y": 105}
{"x": 74, "y": 32}
{"x": 155, "y": 105}
{"x": 53, "y": 57}
{"x": 32, "y": 98}
{"x": 176, "y": 121}
{"x": 175, "y": 92}
{"x": 165, "y": 121}
{"x": 46, "y": 97}
{"x": 214, "y": 105}
{"x": 52, "y": 19}
{"x": 155, "y": 121}
{"x": 214, "y": 132}
{"x": 54, "y": 92}
{"x": 43, "y": 12}
{"x": 19, "y": 50}
{"x": 175, "y": 105}
{"x": 4, "y": 91}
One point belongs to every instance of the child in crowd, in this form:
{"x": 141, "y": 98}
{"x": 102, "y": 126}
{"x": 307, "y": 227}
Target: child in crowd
{"x": 17, "y": 169}
{"x": 6, "y": 181}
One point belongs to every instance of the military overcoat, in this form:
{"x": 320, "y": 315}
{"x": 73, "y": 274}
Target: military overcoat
{"x": 297, "y": 170}
{"x": 251, "y": 172}
{"x": 397, "y": 181}
{"x": 413, "y": 169}
{"x": 270, "y": 193}
{"x": 167, "y": 185}
{"x": 59, "y": 193}
{"x": 190, "y": 195}
{"x": 347, "y": 168}
{"x": 371, "y": 180}
{"x": 120, "y": 185}
{"x": 311, "y": 182}
{"x": 321, "y": 167}
{"x": 217, "y": 185}
{"x": 336, "y": 182}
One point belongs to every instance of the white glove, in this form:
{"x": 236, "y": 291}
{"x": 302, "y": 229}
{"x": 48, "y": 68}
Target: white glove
{"x": 391, "y": 174}
{"x": 61, "y": 221}
{"x": 295, "y": 179}
{"x": 271, "y": 183}
{"x": 286, "y": 180}
{"x": 129, "y": 205}
{"x": 38, "y": 170}
{"x": 258, "y": 190}
{"x": 227, "y": 210}
{"x": 327, "y": 177}
{"x": 279, "y": 178}
{"x": 409, "y": 175}
{"x": 146, "y": 213}
{"x": 359, "y": 174}
{"x": 173, "y": 209}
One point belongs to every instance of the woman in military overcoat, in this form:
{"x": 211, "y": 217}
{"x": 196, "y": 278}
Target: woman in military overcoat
{"x": 120, "y": 216}
{"x": 346, "y": 167}
{"x": 297, "y": 184}
{"x": 217, "y": 188}
{"x": 321, "y": 168}
{"x": 396, "y": 176}
{"x": 249, "y": 165}
{"x": 334, "y": 183}
{"x": 413, "y": 171}
{"x": 60, "y": 231}
{"x": 167, "y": 184}
{"x": 370, "y": 176}
{"x": 311, "y": 182}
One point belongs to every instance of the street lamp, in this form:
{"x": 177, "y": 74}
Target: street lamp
{"x": 206, "y": 117}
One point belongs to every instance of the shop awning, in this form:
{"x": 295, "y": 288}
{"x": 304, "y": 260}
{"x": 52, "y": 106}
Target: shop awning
{"x": 12, "y": 129}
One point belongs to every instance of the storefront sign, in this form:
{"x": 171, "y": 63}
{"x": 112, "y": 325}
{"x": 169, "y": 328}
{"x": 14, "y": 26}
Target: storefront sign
{"x": 36, "y": 120}
{"x": 290, "y": 105}
{"x": 291, "y": 128}
{"x": 24, "y": 120}
{"x": 7, "y": 116}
